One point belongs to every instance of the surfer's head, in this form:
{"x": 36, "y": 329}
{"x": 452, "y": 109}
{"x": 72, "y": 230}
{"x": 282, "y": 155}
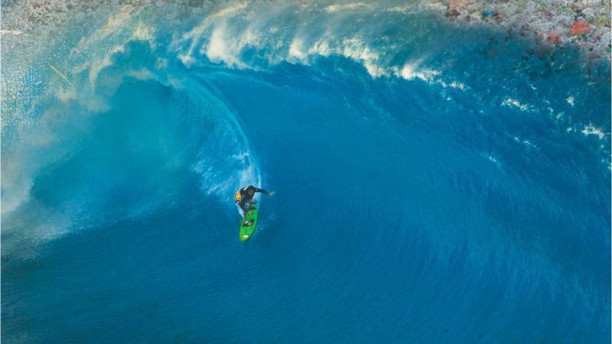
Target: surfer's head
{"x": 250, "y": 191}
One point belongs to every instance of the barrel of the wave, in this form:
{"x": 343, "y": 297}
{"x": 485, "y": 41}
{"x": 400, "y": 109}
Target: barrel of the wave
{"x": 247, "y": 225}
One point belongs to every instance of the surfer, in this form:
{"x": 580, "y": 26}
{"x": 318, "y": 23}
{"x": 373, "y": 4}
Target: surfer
{"x": 244, "y": 199}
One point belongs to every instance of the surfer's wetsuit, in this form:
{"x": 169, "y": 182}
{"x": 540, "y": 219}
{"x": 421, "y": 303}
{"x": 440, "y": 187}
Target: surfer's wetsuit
{"x": 243, "y": 196}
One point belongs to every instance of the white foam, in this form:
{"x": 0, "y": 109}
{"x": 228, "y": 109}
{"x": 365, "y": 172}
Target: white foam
{"x": 96, "y": 67}
{"x": 458, "y": 85}
{"x": 524, "y": 142}
{"x": 412, "y": 71}
{"x": 114, "y": 24}
{"x": 11, "y": 32}
{"x": 220, "y": 49}
{"x": 347, "y": 7}
{"x": 492, "y": 159}
{"x": 356, "y": 48}
{"x": 511, "y": 102}
{"x": 229, "y": 11}
{"x": 144, "y": 33}
{"x": 197, "y": 35}
{"x": 321, "y": 47}
{"x": 398, "y": 9}
{"x": 590, "y": 129}
{"x": 296, "y": 50}
{"x": 222, "y": 38}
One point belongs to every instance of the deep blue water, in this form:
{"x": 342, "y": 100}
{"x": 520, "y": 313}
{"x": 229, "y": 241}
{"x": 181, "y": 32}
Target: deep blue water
{"x": 434, "y": 184}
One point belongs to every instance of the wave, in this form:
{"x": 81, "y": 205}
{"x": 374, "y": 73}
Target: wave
{"x": 419, "y": 167}
{"x": 76, "y": 156}
{"x": 166, "y": 46}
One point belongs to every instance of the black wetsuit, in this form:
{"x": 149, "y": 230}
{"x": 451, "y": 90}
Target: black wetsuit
{"x": 246, "y": 199}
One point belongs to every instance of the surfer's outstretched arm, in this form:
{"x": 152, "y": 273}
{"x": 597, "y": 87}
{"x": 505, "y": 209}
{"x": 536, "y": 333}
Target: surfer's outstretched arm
{"x": 264, "y": 191}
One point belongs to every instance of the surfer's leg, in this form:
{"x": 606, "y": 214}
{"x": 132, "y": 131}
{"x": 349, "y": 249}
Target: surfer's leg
{"x": 245, "y": 221}
{"x": 243, "y": 205}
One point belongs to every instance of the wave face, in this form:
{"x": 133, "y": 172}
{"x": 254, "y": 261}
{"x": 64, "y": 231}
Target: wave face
{"x": 435, "y": 184}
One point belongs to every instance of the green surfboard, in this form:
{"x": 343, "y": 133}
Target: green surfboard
{"x": 246, "y": 231}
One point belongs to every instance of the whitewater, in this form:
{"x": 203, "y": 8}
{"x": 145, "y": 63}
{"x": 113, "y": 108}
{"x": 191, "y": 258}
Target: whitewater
{"x": 435, "y": 182}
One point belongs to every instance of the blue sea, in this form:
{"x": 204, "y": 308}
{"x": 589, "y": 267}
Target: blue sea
{"x": 435, "y": 182}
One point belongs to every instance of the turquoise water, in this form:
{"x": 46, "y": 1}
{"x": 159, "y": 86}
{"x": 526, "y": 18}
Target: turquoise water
{"x": 434, "y": 184}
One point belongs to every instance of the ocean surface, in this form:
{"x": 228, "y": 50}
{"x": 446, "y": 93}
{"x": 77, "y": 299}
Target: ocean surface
{"x": 434, "y": 183}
